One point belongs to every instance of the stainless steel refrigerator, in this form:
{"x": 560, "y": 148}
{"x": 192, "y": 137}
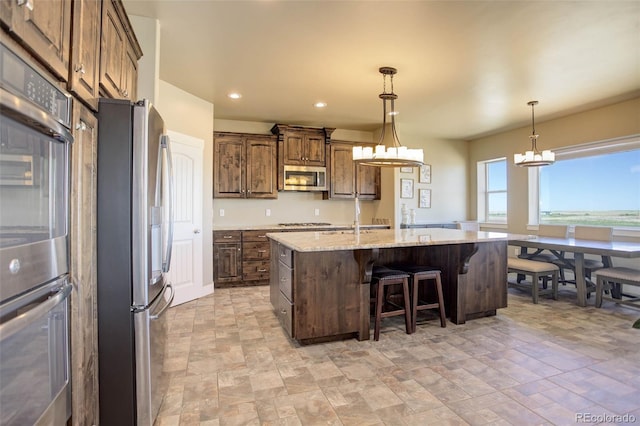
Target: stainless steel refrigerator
{"x": 134, "y": 233}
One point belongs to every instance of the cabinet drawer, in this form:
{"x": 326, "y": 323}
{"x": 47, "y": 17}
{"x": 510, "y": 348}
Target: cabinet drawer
{"x": 227, "y": 236}
{"x": 256, "y": 251}
{"x": 285, "y": 277}
{"x": 285, "y": 255}
{"x": 285, "y": 314}
{"x": 255, "y": 270}
{"x": 257, "y": 236}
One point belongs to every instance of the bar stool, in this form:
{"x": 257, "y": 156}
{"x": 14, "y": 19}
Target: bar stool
{"x": 382, "y": 277}
{"x": 423, "y": 274}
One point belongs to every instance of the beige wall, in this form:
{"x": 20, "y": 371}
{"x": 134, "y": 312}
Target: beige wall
{"x": 617, "y": 120}
{"x": 192, "y": 116}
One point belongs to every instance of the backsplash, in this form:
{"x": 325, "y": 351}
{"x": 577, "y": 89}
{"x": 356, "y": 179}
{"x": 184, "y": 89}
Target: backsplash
{"x": 290, "y": 207}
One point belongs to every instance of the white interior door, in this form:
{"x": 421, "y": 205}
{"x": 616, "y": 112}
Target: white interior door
{"x": 186, "y": 263}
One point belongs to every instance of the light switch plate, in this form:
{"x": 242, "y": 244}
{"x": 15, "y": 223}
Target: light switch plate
{"x": 221, "y": 212}
{"x": 316, "y": 212}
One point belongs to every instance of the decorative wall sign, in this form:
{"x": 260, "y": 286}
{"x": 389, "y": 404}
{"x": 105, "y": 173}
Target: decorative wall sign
{"x": 425, "y": 173}
{"x": 425, "y": 199}
{"x": 406, "y": 188}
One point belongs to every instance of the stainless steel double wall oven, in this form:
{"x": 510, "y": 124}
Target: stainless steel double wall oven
{"x": 35, "y": 139}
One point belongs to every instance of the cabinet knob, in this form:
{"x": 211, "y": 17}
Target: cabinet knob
{"x": 81, "y": 126}
{"x": 125, "y": 93}
{"x": 196, "y": 231}
{"x": 80, "y": 68}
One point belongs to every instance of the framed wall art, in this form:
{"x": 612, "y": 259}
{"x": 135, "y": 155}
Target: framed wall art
{"x": 425, "y": 173}
{"x": 406, "y": 169}
{"x": 406, "y": 188}
{"x": 425, "y": 199}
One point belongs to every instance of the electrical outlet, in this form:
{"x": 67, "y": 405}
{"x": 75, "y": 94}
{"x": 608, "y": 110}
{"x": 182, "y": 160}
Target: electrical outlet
{"x": 316, "y": 212}
{"x": 221, "y": 212}
{"x": 267, "y": 212}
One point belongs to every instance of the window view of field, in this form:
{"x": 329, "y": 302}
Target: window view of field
{"x": 601, "y": 190}
{"x": 617, "y": 218}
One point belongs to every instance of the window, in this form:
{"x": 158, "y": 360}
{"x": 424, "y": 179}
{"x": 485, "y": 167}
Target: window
{"x": 492, "y": 191}
{"x": 595, "y": 184}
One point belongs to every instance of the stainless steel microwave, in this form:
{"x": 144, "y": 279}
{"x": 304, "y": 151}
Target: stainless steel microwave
{"x": 305, "y": 178}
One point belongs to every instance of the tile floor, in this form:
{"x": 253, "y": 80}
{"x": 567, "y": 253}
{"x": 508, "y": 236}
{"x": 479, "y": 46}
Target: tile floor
{"x": 231, "y": 364}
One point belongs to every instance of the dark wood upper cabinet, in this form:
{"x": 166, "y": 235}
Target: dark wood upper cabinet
{"x": 345, "y": 176}
{"x": 301, "y": 146}
{"x": 244, "y": 166}
{"x": 120, "y": 52}
{"x": 84, "y": 72}
{"x": 44, "y": 28}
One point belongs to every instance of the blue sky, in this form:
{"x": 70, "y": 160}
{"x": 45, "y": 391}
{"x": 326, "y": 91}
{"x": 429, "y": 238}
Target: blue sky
{"x": 604, "y": 182}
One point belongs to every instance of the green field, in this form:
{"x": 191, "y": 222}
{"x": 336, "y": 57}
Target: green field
{"x": 618, "y": 218}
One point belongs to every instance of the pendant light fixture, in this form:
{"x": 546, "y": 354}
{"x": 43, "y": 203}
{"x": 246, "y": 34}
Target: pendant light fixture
{"x": 534, "y": 157}
{"x": 389, "y": 152}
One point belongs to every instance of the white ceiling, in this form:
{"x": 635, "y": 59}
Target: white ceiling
{"x": 465, "y": 68}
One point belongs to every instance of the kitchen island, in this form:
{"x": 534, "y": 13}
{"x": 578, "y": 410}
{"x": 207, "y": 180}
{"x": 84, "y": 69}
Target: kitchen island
{"x": 320, "y": 281}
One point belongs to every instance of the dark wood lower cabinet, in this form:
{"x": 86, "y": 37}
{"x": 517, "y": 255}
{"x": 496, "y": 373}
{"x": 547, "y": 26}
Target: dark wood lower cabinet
{"x": 227, "y": 256}
{"x": 325, "y": 295}
{"x": 241, "y": 258}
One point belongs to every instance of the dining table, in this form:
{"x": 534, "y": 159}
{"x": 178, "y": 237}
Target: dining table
{"x": 560, "y": 247}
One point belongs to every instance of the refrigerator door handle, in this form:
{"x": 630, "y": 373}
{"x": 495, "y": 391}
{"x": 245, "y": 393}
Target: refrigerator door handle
{"x": 164, "y": 308}
{"x": 166, "y": 144}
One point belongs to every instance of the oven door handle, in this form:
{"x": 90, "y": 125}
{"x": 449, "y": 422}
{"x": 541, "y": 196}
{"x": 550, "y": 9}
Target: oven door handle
{"x": 27, "y": 112}
{"x": 11, "y": 327}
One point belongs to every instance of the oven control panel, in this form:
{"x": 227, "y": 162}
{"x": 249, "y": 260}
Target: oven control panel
{"x": 18, "y": 77}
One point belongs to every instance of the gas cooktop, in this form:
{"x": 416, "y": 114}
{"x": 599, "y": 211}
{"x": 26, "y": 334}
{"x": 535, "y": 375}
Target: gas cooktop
{"x": 301, "y": 224}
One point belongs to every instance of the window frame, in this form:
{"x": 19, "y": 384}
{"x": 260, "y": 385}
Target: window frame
{"x": 484, "y": 193}
{"x": 608, "y": 146}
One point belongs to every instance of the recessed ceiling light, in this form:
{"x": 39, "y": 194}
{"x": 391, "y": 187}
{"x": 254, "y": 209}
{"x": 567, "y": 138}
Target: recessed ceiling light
{"x": 320, "y": 104}
{"x": 234, "y": 95}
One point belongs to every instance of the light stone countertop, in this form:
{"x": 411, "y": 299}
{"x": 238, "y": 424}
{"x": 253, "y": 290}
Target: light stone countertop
{"x": 380, "y": 238}
{"x": 276, "y": 226}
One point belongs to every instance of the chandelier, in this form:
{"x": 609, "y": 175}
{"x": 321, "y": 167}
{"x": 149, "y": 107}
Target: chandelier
{"x": 534, "y": 157}
{"x": 389, "y": 152}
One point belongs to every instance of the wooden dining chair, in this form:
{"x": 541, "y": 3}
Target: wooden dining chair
{"x": 468, "y": 225}
{"x": 554, "y": 231}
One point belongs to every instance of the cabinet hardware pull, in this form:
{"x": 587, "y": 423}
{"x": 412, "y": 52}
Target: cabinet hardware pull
{"x": 80, "y": 68}
{"x": 228, "y": 236}
{"x": 262, "y": 270}
{"x": 283, "y": 279}
{"x": 283, "y": 312}
{"x": 27, "y": 3}
{"x": 262, "y": 251}
{"x": 81, "y": 126}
